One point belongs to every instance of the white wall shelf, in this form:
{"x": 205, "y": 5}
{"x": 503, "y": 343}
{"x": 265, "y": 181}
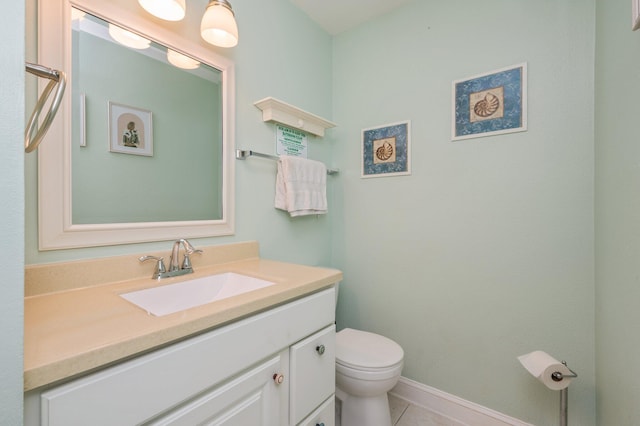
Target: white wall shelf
{"x": 289, "y": 115}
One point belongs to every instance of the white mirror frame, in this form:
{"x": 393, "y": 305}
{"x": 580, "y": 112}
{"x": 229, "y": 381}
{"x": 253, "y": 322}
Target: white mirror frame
{"x": 56, "y": 230}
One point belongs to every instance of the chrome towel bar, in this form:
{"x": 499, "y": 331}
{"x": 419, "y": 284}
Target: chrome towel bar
{"x": 58, "y": 79}
{"x": 242, "y": 154}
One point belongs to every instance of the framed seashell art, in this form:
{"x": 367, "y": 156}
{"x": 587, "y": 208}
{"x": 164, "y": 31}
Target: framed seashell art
{"x": 386, "y": 150}
{"x": 490, "y": 104}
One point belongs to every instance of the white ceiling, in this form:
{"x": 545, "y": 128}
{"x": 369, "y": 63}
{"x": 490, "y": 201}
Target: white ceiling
{"x": 336, "y": 16}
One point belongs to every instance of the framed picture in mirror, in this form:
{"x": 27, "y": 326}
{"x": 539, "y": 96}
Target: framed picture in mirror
{"x": 130, "y": 130}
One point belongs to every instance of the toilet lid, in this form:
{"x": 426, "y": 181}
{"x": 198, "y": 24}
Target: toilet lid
{"x": 361, "y": 349}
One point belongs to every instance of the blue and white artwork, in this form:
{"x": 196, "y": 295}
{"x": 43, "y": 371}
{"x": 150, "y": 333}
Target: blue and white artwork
{"x": 386, "y": 150}
{"x": 490, "y": 104}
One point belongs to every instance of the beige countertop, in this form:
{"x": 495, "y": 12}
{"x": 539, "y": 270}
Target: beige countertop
{"x": 77, "y": 329}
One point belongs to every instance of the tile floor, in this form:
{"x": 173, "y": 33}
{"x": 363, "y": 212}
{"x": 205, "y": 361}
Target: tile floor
{"x": 404, "y": 413}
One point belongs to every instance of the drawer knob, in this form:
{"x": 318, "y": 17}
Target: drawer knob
{"x": 278, "y": 378}
{"x": 320, "y": 349}
{"x": 319, "y": 424}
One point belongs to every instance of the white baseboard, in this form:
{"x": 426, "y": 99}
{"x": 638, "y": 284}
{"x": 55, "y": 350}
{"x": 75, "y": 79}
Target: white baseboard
{"x": 458, "y": 409}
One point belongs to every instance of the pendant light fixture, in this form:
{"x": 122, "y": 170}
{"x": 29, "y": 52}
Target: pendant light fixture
{"x": 169, "y": 10}
{"x": 218, "y": 25}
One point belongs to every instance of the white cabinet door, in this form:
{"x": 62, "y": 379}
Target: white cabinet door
{"x": 254, "y": 398}
{"x": 312, "y": 372}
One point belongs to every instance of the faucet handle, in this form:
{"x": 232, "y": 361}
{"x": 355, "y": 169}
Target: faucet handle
{"x": 188, "y": 247}
{"x": 160, "y": 268}
{"x": 188, "y": 250}
{"x": 186, "y": 263}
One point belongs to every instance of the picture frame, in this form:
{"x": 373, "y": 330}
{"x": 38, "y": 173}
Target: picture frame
{"x": 490, "y": 104}
{"x": 386, "y": 150}
{"x": 635, "y": 14}
{"x": 130, "y": 130}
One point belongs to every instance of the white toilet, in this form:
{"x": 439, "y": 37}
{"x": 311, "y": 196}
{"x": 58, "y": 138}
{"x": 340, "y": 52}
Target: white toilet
{"x": 367, "y": 367}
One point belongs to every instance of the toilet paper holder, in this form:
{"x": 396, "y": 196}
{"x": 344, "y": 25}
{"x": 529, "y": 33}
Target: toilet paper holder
{"x": 558, "y": 376}
{"x": 564, "y": 393}
{"x": 542, "y": 366}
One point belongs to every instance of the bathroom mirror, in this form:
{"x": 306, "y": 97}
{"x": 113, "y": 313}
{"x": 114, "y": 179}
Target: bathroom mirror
{"x": 142, "y": 147}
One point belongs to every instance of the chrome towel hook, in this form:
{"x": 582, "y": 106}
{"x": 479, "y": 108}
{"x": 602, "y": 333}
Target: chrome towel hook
{"x": 58, "y": 79}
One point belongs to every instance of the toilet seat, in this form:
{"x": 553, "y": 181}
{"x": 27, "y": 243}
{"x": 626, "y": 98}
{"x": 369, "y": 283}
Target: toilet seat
{"x": 374, "y": 374}
{"x": 367, "y": 352}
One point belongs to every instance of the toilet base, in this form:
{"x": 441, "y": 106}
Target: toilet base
{"x": 359, "y": 411}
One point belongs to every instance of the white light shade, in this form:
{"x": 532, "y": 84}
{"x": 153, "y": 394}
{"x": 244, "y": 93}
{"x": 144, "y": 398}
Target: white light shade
{"x": 169, "y": 10}
{"x": 127, "y": 38}
{"x": 218, "y": 25}
{"x": 181, "y": 61}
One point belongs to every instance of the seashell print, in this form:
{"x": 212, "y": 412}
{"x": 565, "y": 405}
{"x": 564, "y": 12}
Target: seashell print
{"x": 384, "y": 152}
{"x": 487, "y": 106}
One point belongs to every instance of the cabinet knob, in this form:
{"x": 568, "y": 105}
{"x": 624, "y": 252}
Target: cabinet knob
{"x": 278, "y": 378}
{"x": 319, "y": 424}
{"x": 320, "y": 349}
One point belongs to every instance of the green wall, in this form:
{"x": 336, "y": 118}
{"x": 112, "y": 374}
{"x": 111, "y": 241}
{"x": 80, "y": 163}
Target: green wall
{"x": 617, "y": 214}
{"x": 12, "y": 122}
{"x": 486, "y": 251}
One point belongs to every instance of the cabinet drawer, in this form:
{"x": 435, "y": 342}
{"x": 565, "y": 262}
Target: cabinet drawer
{"x": 325, "y": 415}
{"x": 313, "y": 372}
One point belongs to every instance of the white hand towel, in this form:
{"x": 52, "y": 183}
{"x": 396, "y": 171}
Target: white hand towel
{"x": 301, "y": 186}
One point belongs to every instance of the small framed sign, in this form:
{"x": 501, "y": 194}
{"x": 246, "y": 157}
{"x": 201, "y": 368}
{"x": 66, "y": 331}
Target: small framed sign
{"x": 291, "y": 142}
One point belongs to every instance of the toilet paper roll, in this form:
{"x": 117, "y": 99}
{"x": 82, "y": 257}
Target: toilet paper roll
{"x": 541, "y": 365}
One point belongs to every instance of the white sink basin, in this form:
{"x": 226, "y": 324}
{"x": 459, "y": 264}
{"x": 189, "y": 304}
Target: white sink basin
{"x": 167, "y": 299}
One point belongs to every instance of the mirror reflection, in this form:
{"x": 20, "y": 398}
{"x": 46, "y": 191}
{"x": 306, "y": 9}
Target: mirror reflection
{"x": 146, "y": 130}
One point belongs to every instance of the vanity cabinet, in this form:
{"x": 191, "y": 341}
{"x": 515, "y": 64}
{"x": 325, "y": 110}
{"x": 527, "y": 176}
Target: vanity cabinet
{"x": 274, "y": 368}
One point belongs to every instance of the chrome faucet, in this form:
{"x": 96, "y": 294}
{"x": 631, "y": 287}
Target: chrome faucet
{"x": 175, "y": 268}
